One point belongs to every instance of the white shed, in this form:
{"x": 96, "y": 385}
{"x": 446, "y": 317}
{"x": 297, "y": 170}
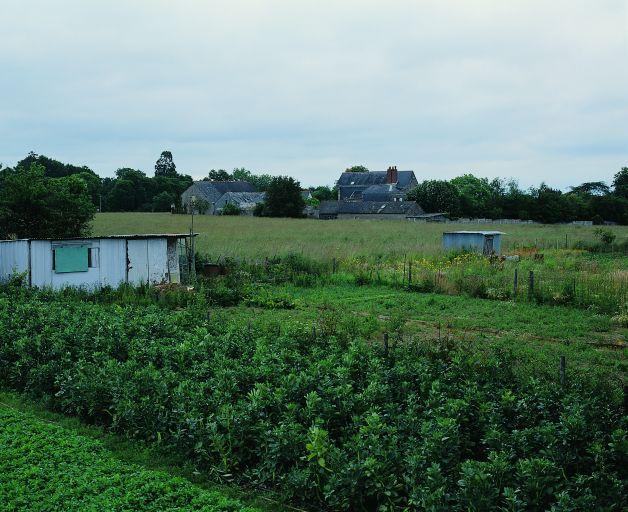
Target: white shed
{"x": 93, "y": 262}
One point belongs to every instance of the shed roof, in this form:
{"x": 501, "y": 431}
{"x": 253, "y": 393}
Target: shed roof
{"x": 109, "y": 237}
{"x": 474, "y": 233}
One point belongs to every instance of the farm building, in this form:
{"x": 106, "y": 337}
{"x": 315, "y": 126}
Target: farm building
{"x": 94, "y": 262}
{"x": 353, "y": 185}
{"x": 484, "y": 242}
{"x": 210, "y": 193}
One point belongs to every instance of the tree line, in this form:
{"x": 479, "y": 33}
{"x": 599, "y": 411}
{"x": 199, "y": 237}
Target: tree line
{"x": 473, "y": 197}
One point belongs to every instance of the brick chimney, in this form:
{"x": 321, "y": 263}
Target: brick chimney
{"x": 392, "y": 175}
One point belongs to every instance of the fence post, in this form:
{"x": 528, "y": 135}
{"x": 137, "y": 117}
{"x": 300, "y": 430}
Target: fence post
{"x": 333, "y": 265}
{"x": 563, "y": 365}
{"x": 515, "y": 284}
{"x": 409, "y": 272}
{"x": 386, "y": 344}
{"x": 531, "y": 285}
{"x": 565, "y": 240}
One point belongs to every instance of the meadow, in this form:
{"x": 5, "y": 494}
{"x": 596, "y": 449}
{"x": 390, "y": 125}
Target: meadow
{"x": 253, "y": 237}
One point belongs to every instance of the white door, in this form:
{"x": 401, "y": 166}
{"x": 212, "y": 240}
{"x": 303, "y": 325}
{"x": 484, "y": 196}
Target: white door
{"x": 137, "y": 252}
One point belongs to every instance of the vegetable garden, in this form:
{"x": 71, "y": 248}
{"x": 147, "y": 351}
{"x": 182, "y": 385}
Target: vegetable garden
{"x": 318, "y": 411}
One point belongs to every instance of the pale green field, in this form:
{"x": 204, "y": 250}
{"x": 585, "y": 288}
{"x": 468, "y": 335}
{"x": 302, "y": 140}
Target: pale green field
{"x": 254, "y": 237}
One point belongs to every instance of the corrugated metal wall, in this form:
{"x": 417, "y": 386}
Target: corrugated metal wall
{"x": 153, "y": 260}
{"x": 13, "y": 258}
{"x": 112, "y": 262}
{"x": 470, "y": 242}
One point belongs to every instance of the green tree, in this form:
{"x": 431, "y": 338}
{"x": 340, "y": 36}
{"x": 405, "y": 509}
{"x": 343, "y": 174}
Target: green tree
{"x": 219, "y": 175}
{"x": 163, "y": 202}
{"x": 283, "y": 198}
{"x": 620, "y": 183}
{"x": 324, "y": 193}
{"x": 477, "y": 196}
{"x": 231, "y": 209}
{"x": 357, "y": 168}
{"x": 436, "y": 196}
{"x": 55, "y": 169}
{"x": 34, "y": 206}
{"x": 592, "y": 188}
{"x": 165, "y": 165}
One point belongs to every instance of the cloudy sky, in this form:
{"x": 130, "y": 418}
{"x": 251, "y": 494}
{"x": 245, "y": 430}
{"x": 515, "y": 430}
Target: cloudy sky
{"x": 536, "y": 90}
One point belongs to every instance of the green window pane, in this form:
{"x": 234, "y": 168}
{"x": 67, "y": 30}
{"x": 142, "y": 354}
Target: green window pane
{"x": 71, "y": 258}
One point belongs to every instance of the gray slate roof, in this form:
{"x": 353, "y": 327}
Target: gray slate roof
{"x": 366, "y": 179}
{"x": 242, "y": 199}
{"x": 382, "y": 192}
{"x": 212, "y": 191}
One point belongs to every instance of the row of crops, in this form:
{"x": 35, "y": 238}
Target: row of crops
{"x": 45, "y": 467}
{"x": 325, "y": 418}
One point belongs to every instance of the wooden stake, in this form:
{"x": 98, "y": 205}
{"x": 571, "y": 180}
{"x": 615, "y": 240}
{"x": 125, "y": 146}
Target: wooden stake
{"x": 563, "y": 365}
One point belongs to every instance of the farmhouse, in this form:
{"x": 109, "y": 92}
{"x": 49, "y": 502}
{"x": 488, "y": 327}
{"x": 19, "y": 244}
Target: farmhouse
{"x": 210, "y": 193}
{"x": 94, "y": 262}
{"x": 352, "y": 186}
{"x": 484, "y": 242}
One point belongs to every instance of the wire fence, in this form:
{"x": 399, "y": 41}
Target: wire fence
{"x": 606, "y": 292}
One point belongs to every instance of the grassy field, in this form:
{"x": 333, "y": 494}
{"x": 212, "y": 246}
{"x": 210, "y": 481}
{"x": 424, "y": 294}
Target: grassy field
{"x": 253, "y": 237}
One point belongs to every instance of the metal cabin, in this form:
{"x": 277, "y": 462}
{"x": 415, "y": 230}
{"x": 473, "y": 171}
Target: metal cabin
{"x": 483, "y": 242}
{"x": 94, "y": 262}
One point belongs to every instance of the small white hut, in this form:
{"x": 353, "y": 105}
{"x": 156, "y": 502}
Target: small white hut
{"x": 94, "y": 262}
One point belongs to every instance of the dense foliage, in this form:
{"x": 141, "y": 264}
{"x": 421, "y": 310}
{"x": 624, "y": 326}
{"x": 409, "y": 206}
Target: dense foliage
{"x": 283, "y": 199}
{"x": 45, "y": 467}
{"x": 33, "y": 205}
{"x": 261, "y": 182}
{"x": 129, "y": 190}
{"x": 469, "y": 196}
{"x": 324, "y": 416}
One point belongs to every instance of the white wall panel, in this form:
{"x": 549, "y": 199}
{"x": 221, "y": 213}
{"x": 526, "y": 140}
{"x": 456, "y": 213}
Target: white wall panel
{"x": 112, "y": 262}
{"x": 13, "y": 258}
{"x": 138, "y": 261}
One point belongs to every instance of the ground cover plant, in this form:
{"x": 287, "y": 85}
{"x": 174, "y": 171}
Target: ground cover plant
{"x": 46, "y": 467}
{"x": 321, "y": 412}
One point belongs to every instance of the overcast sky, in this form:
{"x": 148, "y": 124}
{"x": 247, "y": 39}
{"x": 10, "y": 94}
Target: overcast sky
{"x": 536, "y": 90}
